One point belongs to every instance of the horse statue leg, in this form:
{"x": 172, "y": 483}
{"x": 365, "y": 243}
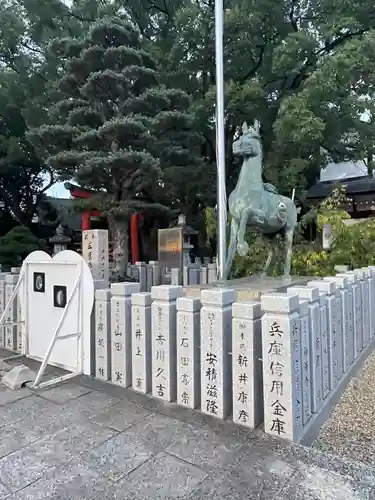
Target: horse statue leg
{"x": 288, "y": 239}
{"x": 232, "y": 247}
{"x": 268, "y": 261}
{"x": 242, "y": 246}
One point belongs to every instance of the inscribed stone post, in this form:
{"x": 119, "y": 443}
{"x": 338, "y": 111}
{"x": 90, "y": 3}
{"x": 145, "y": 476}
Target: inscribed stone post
{"x": 282, "y": 366}
{"x": 163, "y": 333}
{"x": 176, "y": 277}
{"x": 328, "y": 288}
{"x": 313, "y": 343}
{"x": 98, "y": 285}
{"x": 121, "y": 332}
{"x": 247, "y": 373}
{"x": 156, "y": 275}
{"x": 365, "y": 274}
{"x": 372, "y": 300}
{"x": 142, "y": 275}
{"x": 204, "y": 276}
{"x": 324, "y": 333}
{"x": 307, "y": 362}
{"x": 345, "y": 341}
{"x": 216, "y": 342}
{"x": 95, "y": 252}
{"x": 357, "y": 311}
{"x": 211, "y": 273}
{"x": 185, "y": 276}
{"x": 149, "y": 277}
{"x": 141, "y": 342}
{"x": 194, "y": 275}
{"x": 103, "y": 334}
{"x": 11, "y": 317}
{"x": 365, "y": 315}
{"x": 2, "y": 307}
{"x": 361, "y": 310}
{"x": 188, "y": 352}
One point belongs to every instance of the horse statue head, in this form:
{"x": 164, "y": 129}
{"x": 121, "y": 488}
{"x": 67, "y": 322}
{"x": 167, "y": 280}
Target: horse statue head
{"x": 248, "y": 145}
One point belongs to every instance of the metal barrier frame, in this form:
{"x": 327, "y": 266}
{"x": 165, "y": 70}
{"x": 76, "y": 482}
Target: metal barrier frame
{"x": 77, "y": 288}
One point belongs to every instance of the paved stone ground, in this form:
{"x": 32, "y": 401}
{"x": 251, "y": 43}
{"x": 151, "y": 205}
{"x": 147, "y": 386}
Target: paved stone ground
{"x": 88, "y": 440}
{"x": 350, "y": 430}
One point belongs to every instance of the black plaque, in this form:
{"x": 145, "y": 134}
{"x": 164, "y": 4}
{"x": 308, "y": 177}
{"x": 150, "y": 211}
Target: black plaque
{"x": 170, "y": 248}
{"x": 59, "y": 296}
{"x": 39, "y": 282}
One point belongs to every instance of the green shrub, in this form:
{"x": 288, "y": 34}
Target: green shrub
{"x": 16, "y": 245}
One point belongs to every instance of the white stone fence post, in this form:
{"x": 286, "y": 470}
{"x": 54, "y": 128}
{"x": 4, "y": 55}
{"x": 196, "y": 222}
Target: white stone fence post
{"x": 141, "y": 341}
{"x": 284, "y": 360}
{"x": 216, "y": 343}
{"x": 247, "y": 374}
{"x": 164, "y": 351}
{"x": 188, "y": 352}
{"x": 103, "y": 334}
{"x": 282, "y": 365}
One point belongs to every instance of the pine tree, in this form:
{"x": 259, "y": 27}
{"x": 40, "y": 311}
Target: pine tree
{"x": 114, "y": 129}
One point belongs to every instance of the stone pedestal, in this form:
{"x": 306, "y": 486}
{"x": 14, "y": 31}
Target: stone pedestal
{"x": 216, "y": 342}
{"x": 95, "y": 252}
{"x": 164, "y": 363}
{"x": 103, "y": 334}
{"x": 141, "y": 342}
{"x": 121, "y": 332}
{"x": 282, "y": 366}
{"x": 188, "y": 352}
{"x": 246, "y": 363}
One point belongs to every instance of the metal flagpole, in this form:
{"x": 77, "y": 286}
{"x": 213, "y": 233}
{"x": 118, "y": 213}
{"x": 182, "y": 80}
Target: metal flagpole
{"x": 220, "y": 139}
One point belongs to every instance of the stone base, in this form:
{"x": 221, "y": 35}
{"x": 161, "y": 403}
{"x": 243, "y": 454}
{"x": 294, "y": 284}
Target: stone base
{"x": 252, "y": 287}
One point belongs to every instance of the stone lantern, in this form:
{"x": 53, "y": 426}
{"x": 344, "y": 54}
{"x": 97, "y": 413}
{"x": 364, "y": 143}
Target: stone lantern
{"x": 187, "y": 232}
{"x": 60, "y": 240}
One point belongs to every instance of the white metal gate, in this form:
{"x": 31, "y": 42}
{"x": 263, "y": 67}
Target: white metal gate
{"x": 56, "y": 298}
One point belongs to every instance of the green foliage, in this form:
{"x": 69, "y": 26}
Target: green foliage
{"x": 305, "y": 70}
{"x": 21, "y": 171}
{"x": 16, "y": 245}
{"x": 114, "y": 128}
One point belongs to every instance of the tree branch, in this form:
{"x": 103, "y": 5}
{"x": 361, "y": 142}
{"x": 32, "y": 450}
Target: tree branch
{"x": 327, "y": 49}
{"x": 293, "y": 22}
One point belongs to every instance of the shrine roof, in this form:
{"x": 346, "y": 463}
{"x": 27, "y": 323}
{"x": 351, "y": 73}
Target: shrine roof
{"x": 354, "y": 185}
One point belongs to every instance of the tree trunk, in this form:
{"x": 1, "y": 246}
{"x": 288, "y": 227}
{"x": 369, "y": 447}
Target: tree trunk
{"x": 120, "y": 252}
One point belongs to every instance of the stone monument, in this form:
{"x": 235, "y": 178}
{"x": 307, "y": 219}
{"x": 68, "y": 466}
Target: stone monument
{"x": 257, "y": 204}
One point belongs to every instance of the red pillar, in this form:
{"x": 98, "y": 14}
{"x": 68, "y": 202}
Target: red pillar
{"x": 86, "y": 221}
{"x": 134, "y": 240}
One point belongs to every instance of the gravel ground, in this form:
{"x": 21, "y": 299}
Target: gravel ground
{"x": 350, "y": 431}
